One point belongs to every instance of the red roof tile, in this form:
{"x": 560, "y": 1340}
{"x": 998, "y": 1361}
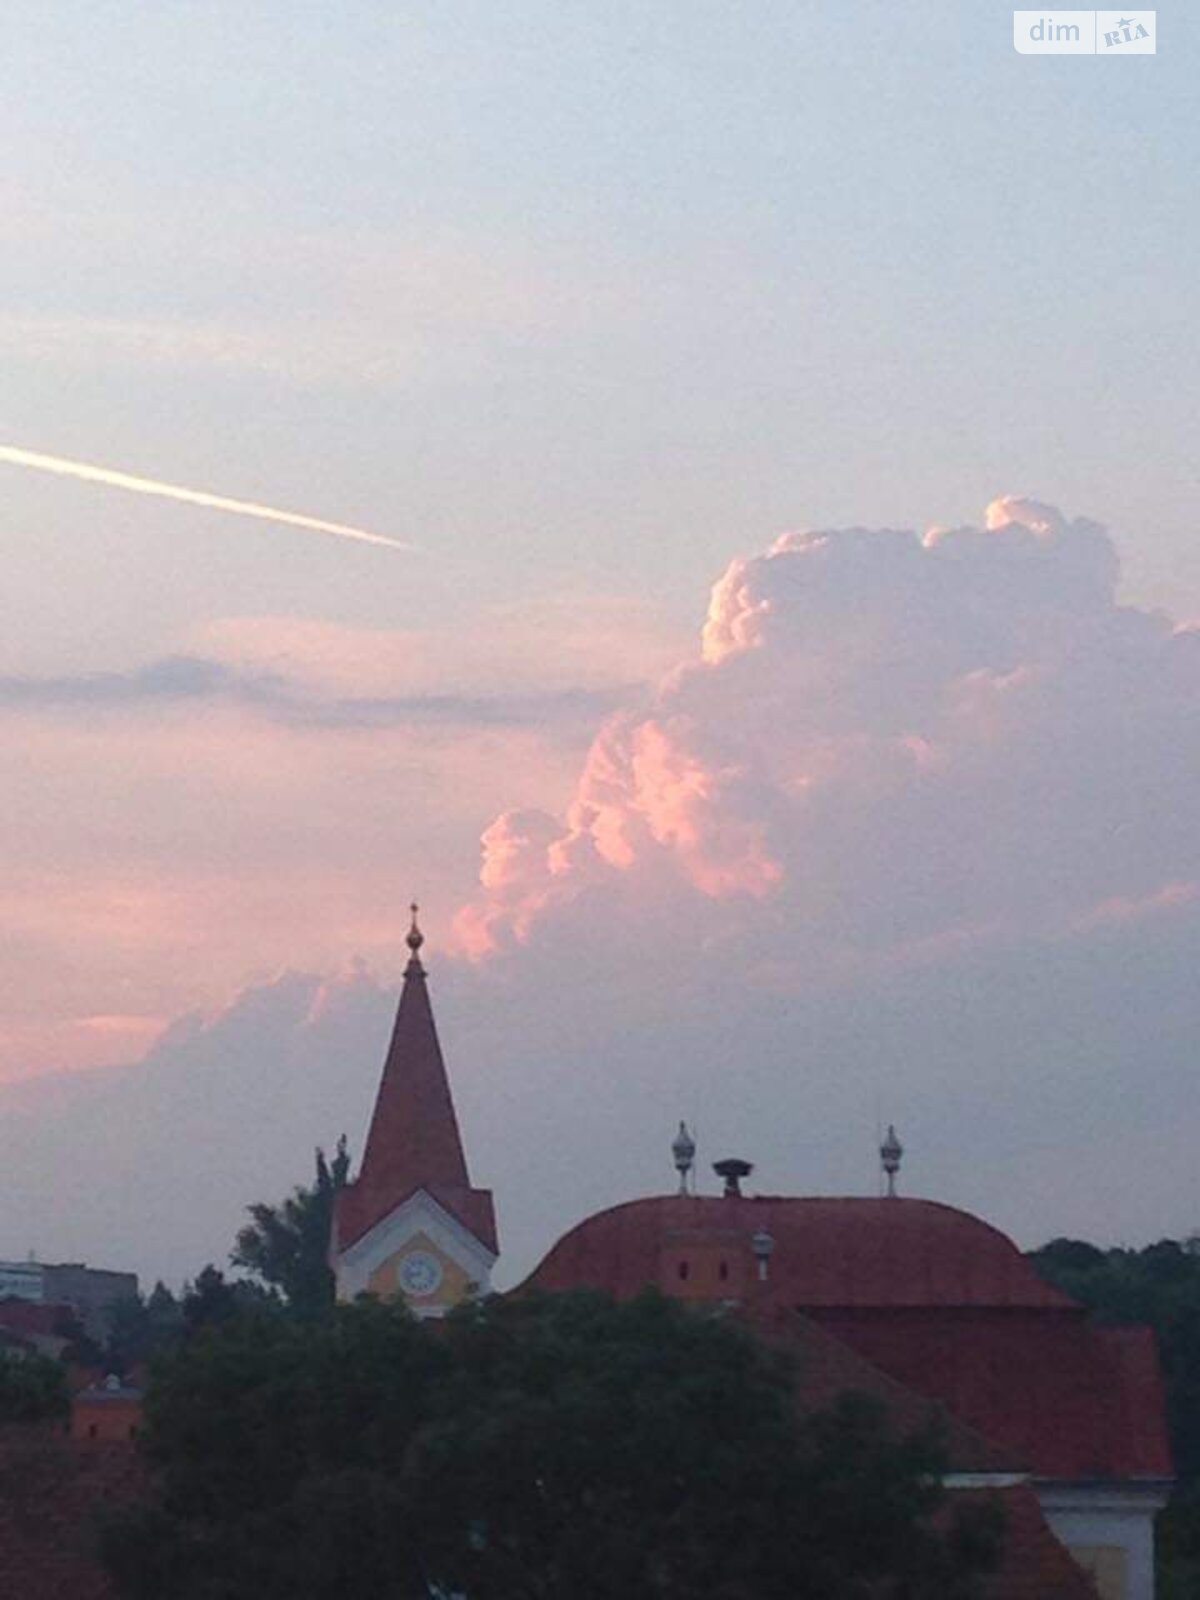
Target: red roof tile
{"x": 1139, "y": 1381}
{"x": 941, "y": 1302}
{"x": 825, "y": 1368}
{"x": 1045, "y": 1385}
{"x": 842, "y": 1252}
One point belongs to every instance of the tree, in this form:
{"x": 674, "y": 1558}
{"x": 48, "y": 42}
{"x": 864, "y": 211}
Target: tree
{"x": 286, "y": 1246}
{"x": 212, "y": 1299}
{"x": 33, "y": 1388}
{"x": 1178, "y": 1546}
{"x": 594, "y": 1449}
{"x": 279, "y": 1445}
{"x": 139, "y": 1329}
{"x": 80, "y": 1349}
{"x": 547, "y": 1447}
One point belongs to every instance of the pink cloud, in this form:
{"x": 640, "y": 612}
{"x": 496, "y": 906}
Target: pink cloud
{"x": 275, "y": 795}
{"x": 158, "y": 854}
{"x": 30, "y": 1048}
{"x": 896, "y": 744}
{"x": 582, "y": 641}
{"x": 911, "y": 828}
{"x": 1121, "y": 910}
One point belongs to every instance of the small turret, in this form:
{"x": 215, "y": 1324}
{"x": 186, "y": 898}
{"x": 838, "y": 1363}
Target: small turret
{"x": 890, "y": 1153}
{"x": 763, "y": 1246}
{"x": 683, "y": 1149}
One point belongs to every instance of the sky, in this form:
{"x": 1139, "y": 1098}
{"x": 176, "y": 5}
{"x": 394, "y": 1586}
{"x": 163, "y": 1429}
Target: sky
{"x": 784, "y": 706}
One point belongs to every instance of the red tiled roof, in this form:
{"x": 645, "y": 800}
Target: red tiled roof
{"x": 413, "y": 1142}
{"x": 826, "y": 1368}
{"x": 1139, "y": 1382}
{"x": 52, "y": 1492}
{"x": 938, "y": 1300}
{"x": 842, "y": 1252}
{"x": 1045, "y": 1385}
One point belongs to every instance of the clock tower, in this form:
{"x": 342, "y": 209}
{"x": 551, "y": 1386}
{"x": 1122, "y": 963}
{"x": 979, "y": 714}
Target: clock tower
{"x": 411, "y": 1226}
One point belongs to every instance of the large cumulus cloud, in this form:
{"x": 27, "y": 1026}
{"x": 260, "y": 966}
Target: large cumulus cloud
{"x": 885, "y": 743}
{"x": 911, "y": 835}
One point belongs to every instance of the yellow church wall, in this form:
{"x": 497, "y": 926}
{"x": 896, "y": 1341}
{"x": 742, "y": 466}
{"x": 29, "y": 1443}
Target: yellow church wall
{"x": 455, "y": 1286}
{"x": 1107, "y": 1565}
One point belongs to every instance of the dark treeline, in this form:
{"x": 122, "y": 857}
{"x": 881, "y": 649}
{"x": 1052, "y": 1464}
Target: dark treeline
{"x": 524, "y": 1448}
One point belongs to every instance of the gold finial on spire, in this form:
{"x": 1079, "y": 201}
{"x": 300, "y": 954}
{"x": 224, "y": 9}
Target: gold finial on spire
{"x": 415, "y": 937}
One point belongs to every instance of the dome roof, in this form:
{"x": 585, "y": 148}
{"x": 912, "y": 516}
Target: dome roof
{"x": 827, "y": 1253}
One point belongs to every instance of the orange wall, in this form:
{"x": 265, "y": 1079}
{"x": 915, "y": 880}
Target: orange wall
{"x": 108, "y": 1421}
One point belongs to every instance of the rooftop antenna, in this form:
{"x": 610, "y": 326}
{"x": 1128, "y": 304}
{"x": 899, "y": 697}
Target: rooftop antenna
{"x": 683, "y": 1149}
{"x": 879, "y": 1131}
{"x": 890, "y": 1153}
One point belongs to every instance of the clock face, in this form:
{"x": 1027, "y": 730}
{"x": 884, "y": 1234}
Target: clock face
{"x": 420, "y": 1273}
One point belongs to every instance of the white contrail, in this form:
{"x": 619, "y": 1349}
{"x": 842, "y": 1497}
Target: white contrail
{"x": 195, "y": 497}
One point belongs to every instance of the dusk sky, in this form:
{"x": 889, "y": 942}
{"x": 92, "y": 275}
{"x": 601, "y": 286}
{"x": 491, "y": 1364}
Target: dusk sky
{"x": 788, "y": 712}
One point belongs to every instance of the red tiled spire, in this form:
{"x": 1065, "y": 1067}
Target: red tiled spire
{"x": 413, "y": 1142}
{"x": 414, "y": 1139}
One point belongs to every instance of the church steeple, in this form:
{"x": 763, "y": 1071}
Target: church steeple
{"x": 414, "y": 1152}
{"x": 414, "y": 1139}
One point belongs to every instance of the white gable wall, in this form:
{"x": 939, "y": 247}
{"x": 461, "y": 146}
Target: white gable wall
{"x": 1104, "y": 1516}
{"x": 419, "y": 1215}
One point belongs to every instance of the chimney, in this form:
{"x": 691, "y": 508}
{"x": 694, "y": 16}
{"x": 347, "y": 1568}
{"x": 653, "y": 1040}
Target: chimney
{"x": 733, "y": 1171}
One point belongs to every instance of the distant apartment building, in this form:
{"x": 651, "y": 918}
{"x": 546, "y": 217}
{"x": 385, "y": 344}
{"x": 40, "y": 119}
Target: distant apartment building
{"x": 89, "y": 1292}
